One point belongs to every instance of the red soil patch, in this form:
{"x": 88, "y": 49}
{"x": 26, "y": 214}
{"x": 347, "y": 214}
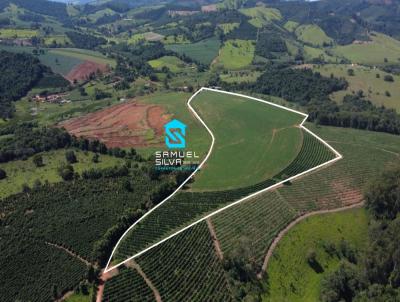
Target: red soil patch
{"x": 129, "y": 124}
{"x": 82, "y": 71}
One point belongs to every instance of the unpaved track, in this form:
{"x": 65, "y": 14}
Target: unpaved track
{"x": 69, "y": 252}
{"x": 215, "y": 240}
{"x": 295, "y": 222}
{"x": 134, "y": 265}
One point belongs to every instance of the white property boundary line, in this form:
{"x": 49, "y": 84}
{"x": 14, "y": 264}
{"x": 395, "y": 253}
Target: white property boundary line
{"x": 338, "y": 157}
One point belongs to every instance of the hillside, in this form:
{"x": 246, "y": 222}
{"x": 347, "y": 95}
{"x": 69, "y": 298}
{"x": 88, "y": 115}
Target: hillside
{"x": 171, "y": 150}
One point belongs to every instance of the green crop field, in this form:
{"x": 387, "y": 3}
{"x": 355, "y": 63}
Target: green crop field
{"x": 21, "y": 172}
{"x": 261, "y": 16}
{"x": 204, "y": 51}
{"x": 366, "y": 79}
{"x": 290, "y": 277}
{"x": 236, "y": 54}
{"x": 256, "y": 139}
{"x": 312, "y": 34}
{"x": 373, "y": 52}
{"x": 172, "y": 63}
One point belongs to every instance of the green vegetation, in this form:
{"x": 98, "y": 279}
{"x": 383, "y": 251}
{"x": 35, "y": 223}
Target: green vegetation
{"x": 204, "y": 51}
{"x": 291, "y": 26}
{"x": 292, "y": 275}
{"x": 83, "y": 54}
{"x": 24, "y": 172}
{"x": 312, "y": 34}
{"x": 236, "y": 54}
{"x": 247, "y": 127}
{"x": 8, "y": 33}
{"x": 372, "y": 52}
{"x": 261, "y": 15}
{"x": 206, "y": 282}
{"x": 172, "y": 63}
{"x": 240, "y": 76}
{"x": 228, "y": 27}
{"x": 370, "y": 81}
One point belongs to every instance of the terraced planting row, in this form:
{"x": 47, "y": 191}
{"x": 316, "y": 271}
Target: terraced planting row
{"x": 184, "y": 268}
{"x": 46, "y": 269}
{"x": 260, "y": 218}
{"x": 187, "y": 207}
{"x": 61, "y": 222}
{"x": 128, "y": 286}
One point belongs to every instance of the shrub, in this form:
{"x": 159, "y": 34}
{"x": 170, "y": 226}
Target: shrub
{"x": 38, "y": 160}
{"x": 3, "y": 174}
{"x": 388, "y": 78}
{"x": 70, "y": 157}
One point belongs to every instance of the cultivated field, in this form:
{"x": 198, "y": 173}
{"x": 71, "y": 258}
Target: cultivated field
{"x": 129, "y": 124}
{"x": 369, "y": 80}
{"x": 248, "y": 136}
{"x": 11, "y": 33}
{"x": 235, "y": 140}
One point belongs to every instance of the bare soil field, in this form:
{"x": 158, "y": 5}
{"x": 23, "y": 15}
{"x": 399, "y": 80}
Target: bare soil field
{"x": 82, "y": 71}
{"x": 130, "y": 124}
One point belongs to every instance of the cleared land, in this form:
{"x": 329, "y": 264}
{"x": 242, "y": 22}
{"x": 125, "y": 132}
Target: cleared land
{"x": 290, "y": 277}
{"x": 249, "y": 135}
{"x": 373, "y": 52}
{"x": 11, "y": 33}
{"x": 236, "y": 54}
{"x": 367, "y": 80}
{"x": 22, "y": 172}
{"x": 129, "y": 124}
{"x": 204, "y": 51}
{"x": 82, "y": 71}
{"x": 312, "y": 34}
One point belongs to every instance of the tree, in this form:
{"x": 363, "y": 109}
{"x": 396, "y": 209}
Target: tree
{"x": 95, "y": 158}
{"x": 3, "y": 174}
{"x": 38, "y": 160}
{"x": 70, "y": 157}
{"x": 350, "y": 72}
{"x": 388, "y": 78}
{"x": 66, "y": 172}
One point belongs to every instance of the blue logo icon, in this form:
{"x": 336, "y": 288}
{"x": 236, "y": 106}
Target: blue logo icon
{"x": 175, "y": 132}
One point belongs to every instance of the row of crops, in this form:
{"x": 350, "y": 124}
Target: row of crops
{"x": 127, "y": 286}
{"x": 74, "y": 215}
{"x": 187, "y": 207}
{"x": 31, "y": 271}
{"x": 261, "y": 218}
{"x": 184, "y": 268}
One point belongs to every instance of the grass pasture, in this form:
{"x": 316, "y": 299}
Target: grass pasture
{"x": 21, "y": 172}
{"x": 256, "y": 139}
{"x": 290, "y": 277}
{"x": 11, "y": 33}
{"x": 366, "y": 79}
{"x": 172, "y": 63}
{"x": 204, "y": 51}
{"x": 261, "y": 15}
{"x": 291, "y": 26}
{"x": 236, "y": 54}
{"x": 84, "y": 54}
{"x": 312, "y": 34}
{"x": 373, "y": 52}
